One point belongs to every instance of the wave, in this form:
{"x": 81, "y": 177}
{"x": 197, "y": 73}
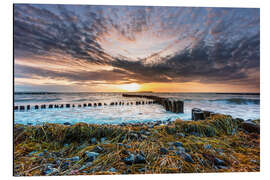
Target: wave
{"x": 239, "y": 101}
{"x": 37, "y": 100}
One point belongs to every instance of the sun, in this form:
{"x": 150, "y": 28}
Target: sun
{"x": 130, "y": 87}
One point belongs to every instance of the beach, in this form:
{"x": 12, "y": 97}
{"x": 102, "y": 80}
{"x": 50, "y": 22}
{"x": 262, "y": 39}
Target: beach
{"x": 218, "y": 144}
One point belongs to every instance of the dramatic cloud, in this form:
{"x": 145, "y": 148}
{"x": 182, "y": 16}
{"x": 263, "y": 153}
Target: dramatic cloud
{"x": 137, "y": 44}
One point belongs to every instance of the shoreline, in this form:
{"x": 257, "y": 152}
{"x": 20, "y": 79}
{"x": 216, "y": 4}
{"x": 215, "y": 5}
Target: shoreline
{"x": 217, "y": 144}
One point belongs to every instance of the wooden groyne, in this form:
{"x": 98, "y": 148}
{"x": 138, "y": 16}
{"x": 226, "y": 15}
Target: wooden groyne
{"x": 170, "y": 104}
{"x": 93, "y": 104}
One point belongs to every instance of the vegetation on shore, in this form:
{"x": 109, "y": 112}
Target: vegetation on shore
{"x": 218, "y": 144}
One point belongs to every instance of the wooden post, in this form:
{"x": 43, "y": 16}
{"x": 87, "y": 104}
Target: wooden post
{"x": 50, "y": 106}
{"x": 56, "y": 106}
{"x": 67, "y": 105}
{"x": 21, "y": 108}
{"x": 28, "y": 107}
{"x": 36, "y": 106}
{"x": 62, "y": 106}
{"x": 43, "y": 106}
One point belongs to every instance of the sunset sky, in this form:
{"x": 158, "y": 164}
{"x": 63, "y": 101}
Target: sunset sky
{"x": 70, "y": 48}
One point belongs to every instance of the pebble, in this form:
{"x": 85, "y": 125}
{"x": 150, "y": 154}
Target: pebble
{"x": 143, "y": 136}
{"x": 180, "y": 149}
{"x": 88, "y": 164}
{"x": 67, "y": 123}
{"x": 219, "y": 162}
{"x": 112, "y": 170}
{"x": 180, "y": 134}
{"x": 133, "y": 136}
{"x": 207, "y": 146}
{"x": 186, "y": 157}
{"x": 140, "y": 159}
{"x": 98, "y": 149}
{"x": 32, "y": 153}
{"x": 171, "y": 148}
{"x": 177, "y": 144}
{"x": 93, "y": 141}
{"x": 129, "y": 160}
{"x": 102, "y": 140}
{"x": 75, "y": 158}
{"x": 91, "y": 156}
{"x": 163, "y": 151}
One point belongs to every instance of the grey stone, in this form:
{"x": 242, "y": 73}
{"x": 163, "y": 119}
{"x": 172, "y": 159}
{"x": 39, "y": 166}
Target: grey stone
{"x": 98, "y": 149}
{"x": 207, "y": 146}
{"x": 129, "y": 160}
{"x": 140, "y": 159}
{"x": 177, "y": 144}
{"x": 88, "y": 164}
{"x": 163, "y": 151}
{"x": 93, "y": 140}
{"x": 91, "y": 156}
{"x": 186, "y": 157}
{"x": 219, "y": 162}
{"x": 102, "y": 140}
{"x": 112, "y": 170}
{"x": 180, "y": 149}
{"x": 75, "y": 158}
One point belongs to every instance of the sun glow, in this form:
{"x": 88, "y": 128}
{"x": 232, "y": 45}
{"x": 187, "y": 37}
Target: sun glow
{"x": 130, "y": 87}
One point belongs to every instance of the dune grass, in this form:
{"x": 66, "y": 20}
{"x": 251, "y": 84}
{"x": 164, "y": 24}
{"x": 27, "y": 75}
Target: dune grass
{"x": 217, "y": 137}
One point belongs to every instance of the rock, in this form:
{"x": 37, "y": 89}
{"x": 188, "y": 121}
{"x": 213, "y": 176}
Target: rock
{"x": 75, "y": 158}
{"x": 65, "y": 165}
{"x": 147, "y": 133}
{"x": 93, "y": 140}
{"x": 49, "y": 171}
{"x": 177, "y": 144}
{"x": 207, "y": 146}
{"x": 129, "y": 160}
{"x": 186, "y": 157}
{"x": 180, "y": 149}
{"x": 88, "y": 164}
{"x": 102, "y": 140}
{"x": 171, "y": 148}
{"x": 249, "y": 126}
{"x": 219, "y": 162}
{"x": 67, "y": 123}
{"x": 140, "y": 159}
{"x": 222, "y": 167}
{"x": 180, "y": 134}
{"x": 142, "y": 170}
{"x": 98, "y": 149}
{"x": 91, "y": 156}
{"x": 143, "y": 137}
{"x": 133, "y": 136}
{"x": 112, "y": 170}
{"x": 127, "y": 146}
{"x": 163, "y": 151}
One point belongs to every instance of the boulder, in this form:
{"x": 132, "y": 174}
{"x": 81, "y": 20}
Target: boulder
{"x": 250, "y": 126}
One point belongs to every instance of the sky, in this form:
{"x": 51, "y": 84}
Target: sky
{"x": 87, "y": 48}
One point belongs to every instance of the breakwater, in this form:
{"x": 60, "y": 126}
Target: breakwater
{"x": 170, "y": 104}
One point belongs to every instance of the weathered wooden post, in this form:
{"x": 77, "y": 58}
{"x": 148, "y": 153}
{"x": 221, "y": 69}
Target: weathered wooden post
{"x": 73, "y": 105}
{"x": 197, "y": 114}
{"x": 21, "y": 108}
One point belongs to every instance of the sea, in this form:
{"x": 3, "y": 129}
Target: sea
{"x": 238, "y": 105}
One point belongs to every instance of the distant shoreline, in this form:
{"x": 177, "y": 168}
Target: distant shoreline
{"x": 229, "y": 93}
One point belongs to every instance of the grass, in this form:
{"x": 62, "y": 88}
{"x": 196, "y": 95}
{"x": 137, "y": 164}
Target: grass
{"x": 217, "y": 137}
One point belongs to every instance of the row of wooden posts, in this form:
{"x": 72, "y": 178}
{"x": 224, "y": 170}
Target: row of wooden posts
{"x": 170, "y": 104}
{"x": 50, "y": 106}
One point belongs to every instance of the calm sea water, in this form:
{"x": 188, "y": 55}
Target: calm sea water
{"x": 242, "y": 106}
